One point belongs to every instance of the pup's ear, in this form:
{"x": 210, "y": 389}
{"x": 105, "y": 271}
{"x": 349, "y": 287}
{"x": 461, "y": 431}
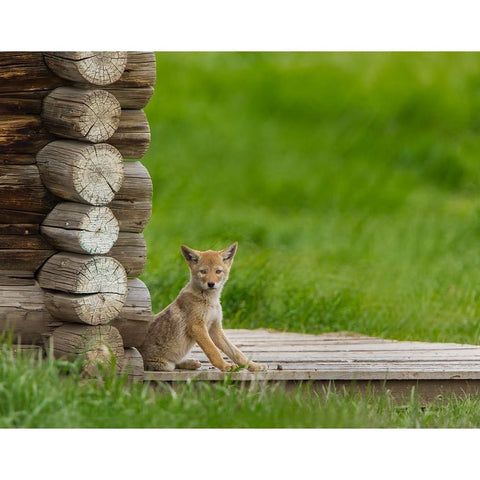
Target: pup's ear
{"x": 191, "y": 256}
{"x": 229, "y": 252}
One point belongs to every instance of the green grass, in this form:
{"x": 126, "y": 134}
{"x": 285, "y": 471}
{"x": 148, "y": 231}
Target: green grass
{"x": 352, "y": 183}
{"x": 36, "y": 392}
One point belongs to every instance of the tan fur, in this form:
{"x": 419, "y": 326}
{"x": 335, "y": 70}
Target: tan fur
{"x": 195, "y": 316}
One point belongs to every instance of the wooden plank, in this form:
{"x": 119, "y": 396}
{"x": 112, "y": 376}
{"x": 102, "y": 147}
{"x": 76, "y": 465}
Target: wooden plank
{"x": 305, "y": 357}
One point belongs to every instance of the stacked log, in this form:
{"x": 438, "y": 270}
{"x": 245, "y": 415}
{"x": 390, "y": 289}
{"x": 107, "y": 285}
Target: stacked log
{"x": 72, "y": 207}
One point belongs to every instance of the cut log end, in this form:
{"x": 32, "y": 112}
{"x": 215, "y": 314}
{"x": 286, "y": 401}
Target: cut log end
{"x": 78, "y": 228}
{"x": 97, "y": 68}
{"x": 91, "y": 115}
{"x": 82, "y": 274}
{"x": 95, "y": 345}
{"x": 81, "y": 172}
{"x": 91, "y": 309}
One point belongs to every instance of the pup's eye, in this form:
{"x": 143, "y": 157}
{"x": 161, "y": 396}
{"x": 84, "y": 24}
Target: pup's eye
{"x": 203, "y": 271}
{"x": 218, "y": 272}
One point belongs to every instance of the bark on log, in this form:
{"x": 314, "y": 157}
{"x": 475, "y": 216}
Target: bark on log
{"x": 130, "y": 250}
{"x": 26, "y": 71}
{"x": 81, "y": 172}
{"x": 91, "y": 115}
{"x": 84, "y": 289}
{"x": 132, "y": 137}
{"x": 23, "y": 197}
{"x": 93, "y": 343}
{"x": 20, "y": 134}
{"x": 78, "y": 228}
{"x": 132, "y": 365}
{"x": 97, "y": 68}
{"x": 140, "y": 71}
{"x": 132, "y": 205}
{"x": 136, "y": 315}
{"x": 23, "y": 313}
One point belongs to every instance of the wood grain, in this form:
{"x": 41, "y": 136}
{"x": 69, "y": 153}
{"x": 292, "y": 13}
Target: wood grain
{"x": 23, "y": 314}
{"x": 23, "y": 197}
{"x": 96, "y": 68}
{"x": 132, "y": 137}
{"x": 132, "y": 205}
{"x": 81, "y": 172}
{"x": 78, "y": 228}
{"x": 136, "y": 315}
{"x": 90, "y": 115}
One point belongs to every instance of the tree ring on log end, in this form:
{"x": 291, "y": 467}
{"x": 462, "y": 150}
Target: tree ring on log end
{"x": 91, "y": 115}
{"x": 75, "y": 227}
{"x": 101, "y": 118}
{"x": 97, "y": 68}
{"x": 81, "y": 274}
{"x": 81, "y": 172}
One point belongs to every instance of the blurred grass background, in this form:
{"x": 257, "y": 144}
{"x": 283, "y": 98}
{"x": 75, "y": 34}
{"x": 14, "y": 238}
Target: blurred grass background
{"x": 350, "y": 180}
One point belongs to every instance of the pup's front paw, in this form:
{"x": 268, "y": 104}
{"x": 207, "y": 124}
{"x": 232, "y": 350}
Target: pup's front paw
{"x": 228, "y": 367}
{"x": 256, "y": 367}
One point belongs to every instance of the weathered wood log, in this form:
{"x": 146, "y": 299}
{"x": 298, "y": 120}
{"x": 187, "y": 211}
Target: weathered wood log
{"x": 132, "y": 365}
{"x": 132, "y": 205}
{"x": 17, "y": 159}
{"x": 81, "y": 172}
{"x": 136, "y": 315}
{"x": 79, "y": 228}
{"x": 23, "y": 197}
{"x": 26, "y": 71}
{"x": 140, "y": 71}
{"x": 91, "y": 115}
{"x": 132, "y": 137}
{"x": 97, "y": 68}
{"x": 22, "y": 103}
{"x": 23, "y": 254}
{"x": 23, "y": 314}
{"x": 73, "y": 273}
{"x": 84, "y": 289}
{"x": 20, "y": 134}
{"x": 130, "y": 98}
{"x": 130, "y": 250}
{"x": 92, "y": 343}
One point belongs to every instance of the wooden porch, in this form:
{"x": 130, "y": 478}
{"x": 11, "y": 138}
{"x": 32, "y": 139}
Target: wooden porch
{"x": 346, "y": 360}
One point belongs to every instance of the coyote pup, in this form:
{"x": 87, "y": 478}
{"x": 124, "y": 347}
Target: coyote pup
{"x": 195, "y": 316}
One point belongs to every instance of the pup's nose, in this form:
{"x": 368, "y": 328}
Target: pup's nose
{"x": 211, "y": 284}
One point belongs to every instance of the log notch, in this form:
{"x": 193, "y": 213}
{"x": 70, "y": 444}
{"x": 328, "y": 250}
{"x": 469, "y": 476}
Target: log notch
{"x": 91, "y": 115}
{"x": 78, "y": 228}
{"x": 84, "y": 289}
{"x": 23, "y": 314}
{"x": 81, "y": 172}
{"x": 132, "y": 205}
{"x": 133, "y": 365}
{"x": 136, "y": 315}
{"x": 96, "y": 68}
{"x": 93, "y": 343}
{"x": 132, "y": 138}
